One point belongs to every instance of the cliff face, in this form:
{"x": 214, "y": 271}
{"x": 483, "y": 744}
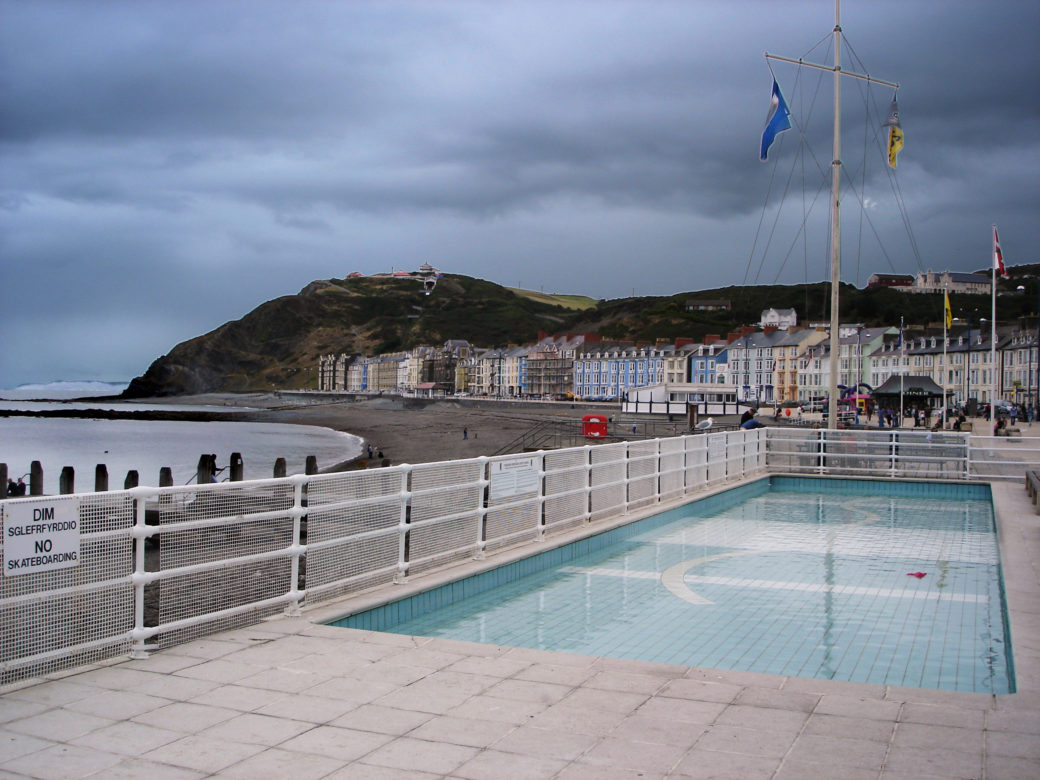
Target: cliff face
{"x": 277, "y": 345}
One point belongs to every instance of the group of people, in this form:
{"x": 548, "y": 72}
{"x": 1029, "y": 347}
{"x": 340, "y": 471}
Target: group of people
{"x": 16, "y": 488}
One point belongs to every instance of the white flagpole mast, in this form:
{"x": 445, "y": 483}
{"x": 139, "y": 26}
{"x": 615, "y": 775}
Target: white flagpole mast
{"x": 942, "y": 375}
{"x": 832, "y": 380}
{"x": 993, "y": 334}
{"x": 902, "y": 369}
{"x": 832, "y": 384}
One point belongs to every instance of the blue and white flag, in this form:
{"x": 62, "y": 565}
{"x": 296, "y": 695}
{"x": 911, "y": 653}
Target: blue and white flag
{"x": 779, "y": 120}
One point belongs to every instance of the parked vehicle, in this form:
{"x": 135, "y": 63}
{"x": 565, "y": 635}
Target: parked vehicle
{"x": 815, "y": 405}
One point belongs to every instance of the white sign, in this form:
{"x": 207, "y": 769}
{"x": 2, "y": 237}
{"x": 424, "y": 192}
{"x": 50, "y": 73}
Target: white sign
{"x": 510, "y": 477}
{"x": 40, "y": 536}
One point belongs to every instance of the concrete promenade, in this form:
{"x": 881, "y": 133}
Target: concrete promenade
{"x": 291, "y": 698}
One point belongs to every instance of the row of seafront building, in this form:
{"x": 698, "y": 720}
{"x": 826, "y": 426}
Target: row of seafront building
{"x": 767, "y": 365}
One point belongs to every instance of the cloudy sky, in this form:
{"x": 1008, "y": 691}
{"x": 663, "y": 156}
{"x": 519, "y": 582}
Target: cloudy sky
{"x": 167, "y": 166}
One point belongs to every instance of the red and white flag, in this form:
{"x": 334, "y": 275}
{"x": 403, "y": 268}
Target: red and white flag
{"x": 998, "y": 257}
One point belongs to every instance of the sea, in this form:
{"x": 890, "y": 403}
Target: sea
{"x": 147, "y": 445}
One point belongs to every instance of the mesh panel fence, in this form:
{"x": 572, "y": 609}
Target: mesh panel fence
{"x": 445, "y": 517}
{"x": 352, "y": 531}
{"x": 514, "y": 501}
{"x": 696, "y": 463}
{"x": 89, "y": 613}
{"x": 672, "y": 465}
{"x": 718, "y": 455}
{"x": 909, "y": 454}
{"x": 642, "y": 474}
{"x": 225, "y": 521}
{"x": 566, "y": 494}
{"x": 753, "y": 442}
{"x": 609, "y": 467}
{"x": 991, "y": 457}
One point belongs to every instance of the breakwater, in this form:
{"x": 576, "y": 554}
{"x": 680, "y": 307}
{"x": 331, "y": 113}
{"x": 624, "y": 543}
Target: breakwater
{"x": 207, "y": 472}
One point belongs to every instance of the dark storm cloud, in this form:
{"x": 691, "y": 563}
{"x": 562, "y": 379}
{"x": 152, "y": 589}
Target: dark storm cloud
{"x": 175, "y": 164}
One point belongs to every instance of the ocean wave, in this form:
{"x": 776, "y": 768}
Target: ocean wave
{"x": 61, "y": 389}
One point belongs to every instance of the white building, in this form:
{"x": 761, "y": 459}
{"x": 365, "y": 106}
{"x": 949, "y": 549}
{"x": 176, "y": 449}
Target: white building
{"x": 782, "y": 319}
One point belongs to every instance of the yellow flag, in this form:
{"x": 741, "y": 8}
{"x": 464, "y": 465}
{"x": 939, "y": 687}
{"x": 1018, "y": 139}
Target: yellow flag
{"x": 895, "y": 133}
{"x": 948, "y": 311}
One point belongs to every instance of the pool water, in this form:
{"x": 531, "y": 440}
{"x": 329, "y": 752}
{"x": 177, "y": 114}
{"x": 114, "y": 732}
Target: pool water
{"x": 792, "y": 577}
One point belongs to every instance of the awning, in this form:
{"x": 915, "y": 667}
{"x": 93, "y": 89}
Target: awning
{"x": 426, "y": 386}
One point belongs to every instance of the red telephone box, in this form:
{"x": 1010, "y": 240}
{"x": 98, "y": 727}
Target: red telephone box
{"x": 594, "y": 426}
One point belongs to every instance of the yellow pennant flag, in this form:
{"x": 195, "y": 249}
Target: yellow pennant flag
{"x": 895, "y": 133}
{"x": 948, "y": 311}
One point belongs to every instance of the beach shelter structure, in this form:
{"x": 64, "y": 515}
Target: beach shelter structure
{"x": 917, "y": 391}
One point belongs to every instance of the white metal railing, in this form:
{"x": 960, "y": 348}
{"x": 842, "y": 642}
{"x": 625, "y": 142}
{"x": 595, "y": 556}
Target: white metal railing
{"x": 157, "y": 566}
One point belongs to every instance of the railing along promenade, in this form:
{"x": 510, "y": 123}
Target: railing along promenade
{"x": 90, "y": 576}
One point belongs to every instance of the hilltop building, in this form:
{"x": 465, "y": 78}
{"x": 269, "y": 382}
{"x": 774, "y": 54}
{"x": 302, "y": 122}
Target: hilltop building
{"x": 937, "y": 282}
{"x": 782, "y": 319}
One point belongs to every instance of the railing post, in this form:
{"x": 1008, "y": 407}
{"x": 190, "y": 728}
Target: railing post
{"x": 132, "y": 479}
{"x": 541, "y": 493}
{"x": 657, "y": 468}
{"x": 893, "y": 453}
{"x": 628, "y": 473}
{"x": 402, "y": 526}
{"x": 292, "y": 609}
{"x": 3, "y": 479}
{"x": 588, "y": 484}
{"x": 311, "y": 466}
{"x": 279, "y": 468}
{"x": 100, "y": 478}
{"x": 140, "y": 536}
{"x": 484, "y": 485}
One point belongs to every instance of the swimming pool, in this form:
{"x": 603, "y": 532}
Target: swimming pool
{"x": 880, "y": 582}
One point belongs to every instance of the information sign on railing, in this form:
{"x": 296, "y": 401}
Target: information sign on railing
{"x": 40, "y": 537}
{"x": 513, "y": 477}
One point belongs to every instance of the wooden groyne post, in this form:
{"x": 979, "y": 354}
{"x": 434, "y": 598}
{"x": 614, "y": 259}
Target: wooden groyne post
{"x": 206, "y": 472}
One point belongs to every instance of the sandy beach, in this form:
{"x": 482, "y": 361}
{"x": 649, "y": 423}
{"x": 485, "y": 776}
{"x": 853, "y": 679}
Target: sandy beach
{"x": 408, "y": 430}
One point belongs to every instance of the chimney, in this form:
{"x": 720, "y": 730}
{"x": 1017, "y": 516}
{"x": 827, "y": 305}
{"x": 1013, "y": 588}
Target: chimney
{"x": 711, "y": 338}
{"x": 733, "y": 336}
{"x": 593, "y": 338}
{"x": 542, "y": 335}
{"x": 682, "y": 341}
{"x": 769, "y": 329}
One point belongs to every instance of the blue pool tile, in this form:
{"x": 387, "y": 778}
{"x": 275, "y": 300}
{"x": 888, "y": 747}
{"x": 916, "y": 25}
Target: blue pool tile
{"x": 822, "y": 563}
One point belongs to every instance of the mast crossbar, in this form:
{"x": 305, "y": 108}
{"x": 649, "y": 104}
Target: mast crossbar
{"x": 831, "y": 69}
